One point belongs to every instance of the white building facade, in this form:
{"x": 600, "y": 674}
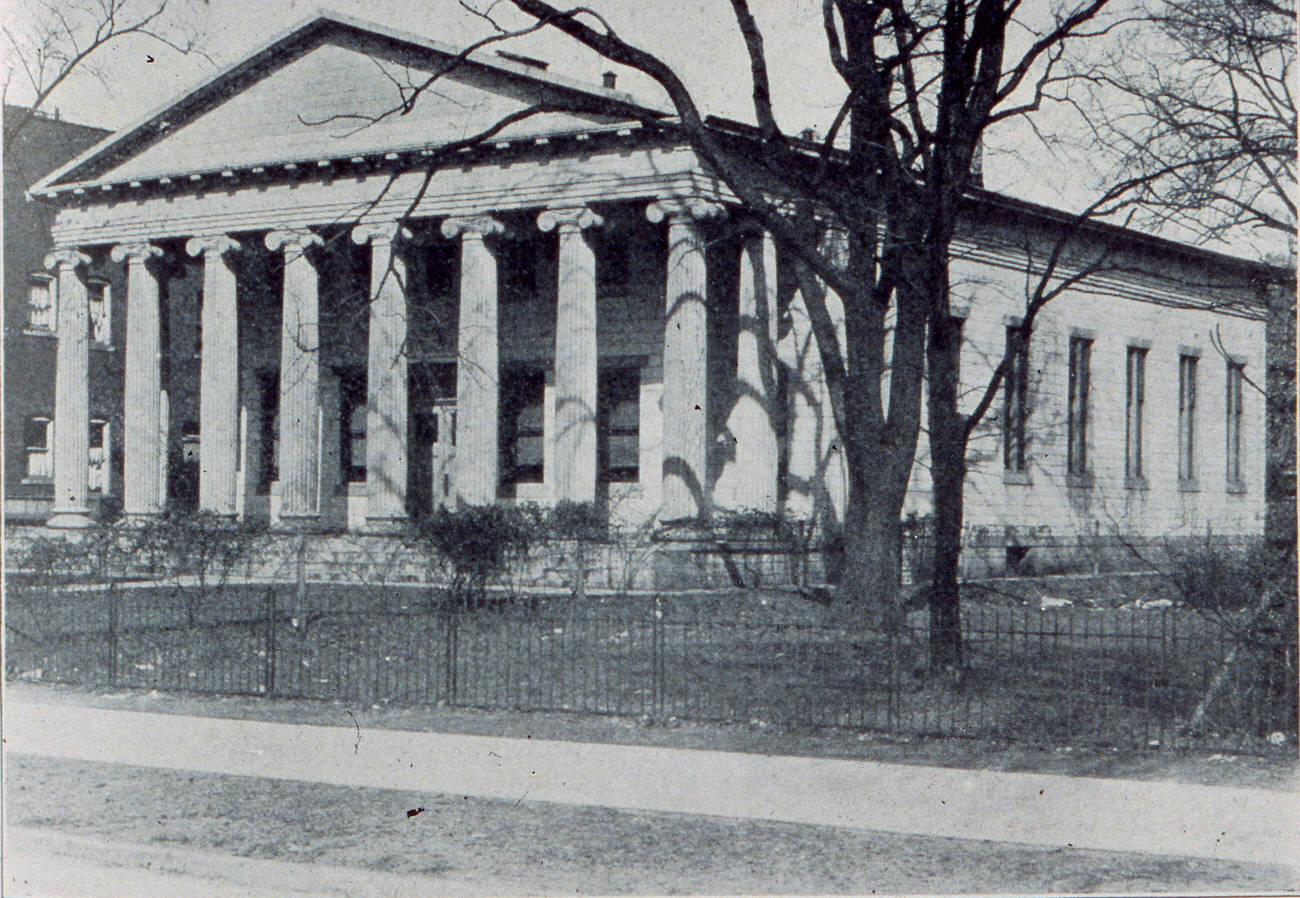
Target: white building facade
{"x": 320, "y": 328}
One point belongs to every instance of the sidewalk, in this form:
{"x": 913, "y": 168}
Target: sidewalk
{"x": 1118, "y": 815}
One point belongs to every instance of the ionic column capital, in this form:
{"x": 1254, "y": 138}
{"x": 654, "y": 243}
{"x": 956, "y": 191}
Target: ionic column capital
{"x": 211, "y": 244}
{"x": 693, "y": 207}
{"x": 569, "y": 219}
{"x": 472, "y": 227}
{"x": 134, "y": 252}
{"x": 380, "y": 232}
{"x": 293, "y": 240}
{"x": 65, "y": 257}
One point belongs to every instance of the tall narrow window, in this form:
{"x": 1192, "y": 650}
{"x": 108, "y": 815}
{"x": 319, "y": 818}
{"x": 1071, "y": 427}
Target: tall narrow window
{"x": 37, "y": 437}
{"x": 521, "y": 428}
{"x": 98, "y": 456}
{"x": 40, "y": 301}
{"x": 1080, "y": 377}
{"x": 1133, "y": 409}
{"x": 352, "y": 425}
{"x": 1236, "y": 376}
{"x": 269, "y": 425}
{"x": 1015, "y": 392}
{"x": 618, "y": 425}
{"x": 1187, "y": 419}
{"x": 99, "y": 296}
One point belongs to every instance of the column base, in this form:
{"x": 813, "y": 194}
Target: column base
{"x": 70, "y": 520}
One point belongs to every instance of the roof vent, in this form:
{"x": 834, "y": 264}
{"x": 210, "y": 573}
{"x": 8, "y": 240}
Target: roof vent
{"x": 530, "y": 61}
{"x": 808, "y": 134}
{"x": 608, "y": 80}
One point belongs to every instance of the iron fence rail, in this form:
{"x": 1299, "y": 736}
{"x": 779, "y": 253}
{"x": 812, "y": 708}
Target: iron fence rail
{"x": 1112, "y": 676}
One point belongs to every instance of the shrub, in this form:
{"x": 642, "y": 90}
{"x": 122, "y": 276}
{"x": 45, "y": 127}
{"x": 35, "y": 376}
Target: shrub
{"x": 475, "y": 544}
{"x": 583, "y": 523}
{"x": 1249, "y": 591}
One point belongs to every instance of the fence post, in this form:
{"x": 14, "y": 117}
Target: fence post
{"x": 113, "y": 624}
{"x": 451, "y": 648}
{"x": 268, "y": 672}
{"x": 657, "y": 673}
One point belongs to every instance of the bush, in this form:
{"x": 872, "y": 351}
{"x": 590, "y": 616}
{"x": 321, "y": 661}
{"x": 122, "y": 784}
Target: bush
{"x": 475, "y": 544}
{"x": 1250, "y": 592}
{"x": 584, "y": 521}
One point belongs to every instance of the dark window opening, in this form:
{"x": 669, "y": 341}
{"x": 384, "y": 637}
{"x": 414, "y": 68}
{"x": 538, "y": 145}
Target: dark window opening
{"x": 1236, "y": 376}
{"x": 1080, "y": 384}
{"x": 269, "y": 426}
{"x": 1133, "y": 412}
{"x": 522, "y": 434}
{"x": 618, "y": 425}
{"x": 1015, "y": 392}
{"x": 1187, "y": 418}
{"x": 352, "y": 424}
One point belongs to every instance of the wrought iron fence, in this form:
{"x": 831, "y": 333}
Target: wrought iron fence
{"x": 1106, "y": 676}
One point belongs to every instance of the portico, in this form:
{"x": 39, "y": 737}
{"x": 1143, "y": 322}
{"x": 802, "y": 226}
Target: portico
{"x": 314, "y": 451}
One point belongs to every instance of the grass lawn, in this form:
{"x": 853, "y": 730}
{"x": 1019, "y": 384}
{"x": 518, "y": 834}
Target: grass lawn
{"x": 505, "y": 847}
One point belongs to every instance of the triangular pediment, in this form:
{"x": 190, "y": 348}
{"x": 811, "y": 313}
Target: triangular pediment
{"x": 335, "y": 88}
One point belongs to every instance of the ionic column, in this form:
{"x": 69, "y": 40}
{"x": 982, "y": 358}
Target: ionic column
{"x": 477, "y": 389}
{"x": 686, "y": 359}
{"x": 300, "y": 442}
{"x": 386, "y": 438}
{"x": 752, "y": 472}
{"x": 142, "y": 385}
{"x": 218, "y": 375}
{"x": 71, "y": 393}
{"x": 575, "y": 354}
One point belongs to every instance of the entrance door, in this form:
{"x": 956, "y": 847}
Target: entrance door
{"x": 432, "y": 437}
{"x": 442, "y": 453}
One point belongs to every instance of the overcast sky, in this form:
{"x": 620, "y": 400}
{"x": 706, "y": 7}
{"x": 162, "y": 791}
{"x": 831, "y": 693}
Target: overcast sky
{"x": 697, "y": 37}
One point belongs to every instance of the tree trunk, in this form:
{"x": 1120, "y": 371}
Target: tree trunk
{"x": 948, "y": 477}
{"x": 945, "y": 590}
{"x": 870, "y": 568}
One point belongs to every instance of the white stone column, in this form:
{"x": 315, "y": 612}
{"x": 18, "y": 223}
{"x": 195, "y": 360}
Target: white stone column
{"x": 218, "y": 375}
{"x": 751, "y": 474}
{"x": 71, "y": 393}
{"x": 386, "y": 401}
{"x": 300, "y": 427}
{"x": 686, "y": 359}
{"x": 145, "y": 458}
{"x": 477, "y": 358}
{"x": 575, "y": 354}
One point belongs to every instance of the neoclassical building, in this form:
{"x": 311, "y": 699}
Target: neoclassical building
{"x": 320, "y": 326}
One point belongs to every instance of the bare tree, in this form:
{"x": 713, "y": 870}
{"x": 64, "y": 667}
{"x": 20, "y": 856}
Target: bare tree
{"x": 919, "y": 83}
{"x": 1208, "y": 107}
{"x": 56, "y": 39}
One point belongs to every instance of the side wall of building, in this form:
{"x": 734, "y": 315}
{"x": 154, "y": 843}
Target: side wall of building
{"x": 42, "y": 145}
{"x": 1169, "y": 307}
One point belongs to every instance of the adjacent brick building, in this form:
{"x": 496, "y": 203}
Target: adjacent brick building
{"x": 42, "y": 144}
